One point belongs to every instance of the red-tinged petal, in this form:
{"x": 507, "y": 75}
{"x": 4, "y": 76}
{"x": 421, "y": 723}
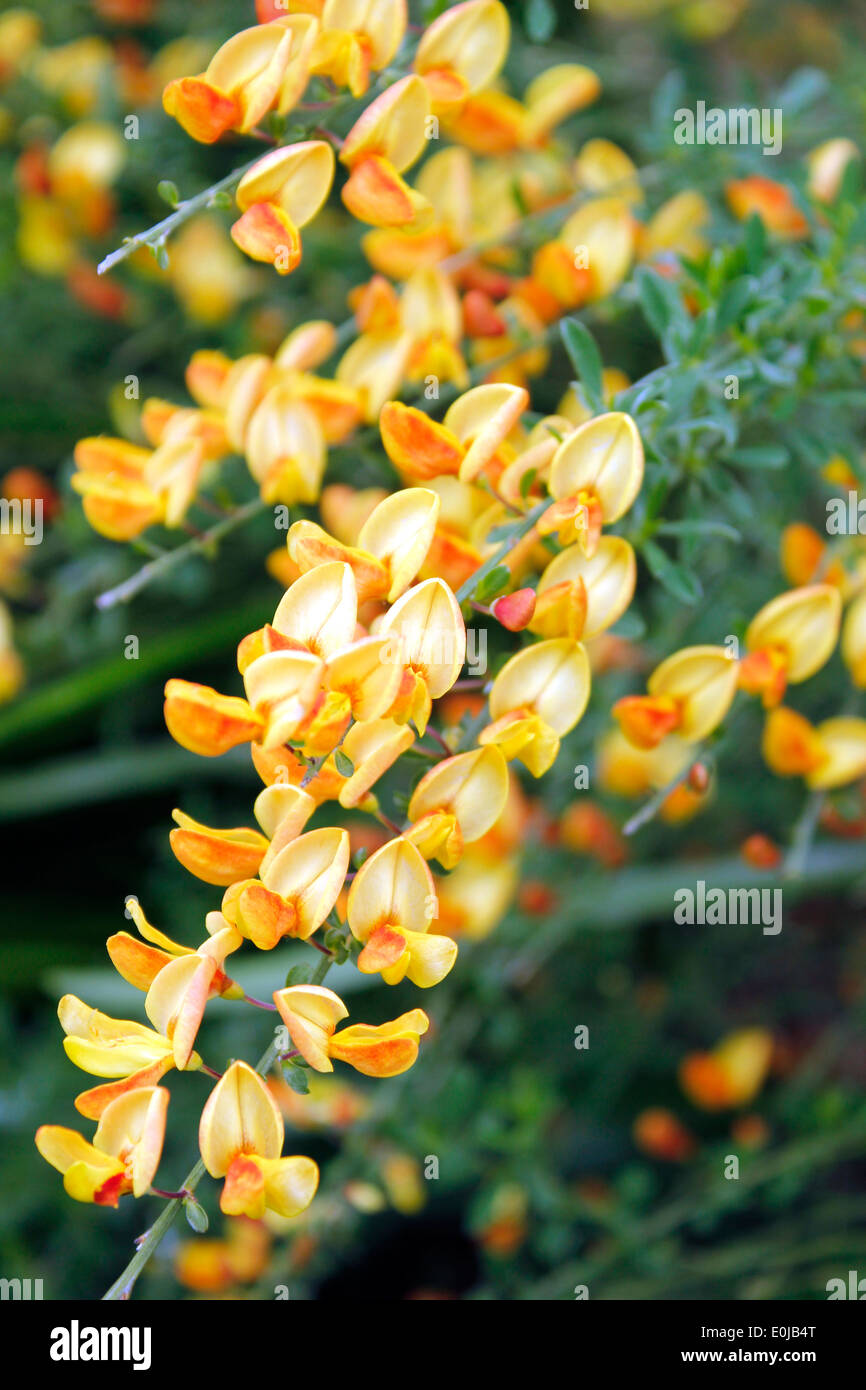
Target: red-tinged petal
{"x": 384, "y": 948}
{"x": 266, "y": 233}
{"x": 203, "y": 110}
{"x": 645, "y": 719}
{"x": 515, "y": 611}
{"x": 205, "y": 722}
{"x": 375, "y": 193}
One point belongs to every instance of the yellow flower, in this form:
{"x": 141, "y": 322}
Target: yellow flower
{"x": 125, "y": 1152}
{"x": 580, "y": 596}
{"x": 462, "y": 51}
{"x": 113, "y": 1047}
{"x": 790, "y": 639}
{"x": 539, "y": 695}
{"x": 177, "y": 996}
{"x": 311, "y": 1014}
{"x": 426, "y": 640}
{"x": 390, "y": 907}
{"x": 297, "y": 889}
{"x": 281, "y": 193}
{"x": 827, "y": 165}
{"x": 385, "y": 140}
{"x": 241, "y": 1138}
{"x": 457, "y": 802}
{"x": 732, "y": 1074}
{"x": 595, "y": 476}
{"x": 357, "y": 39}
{"x": 689, "y": 694}
{"x": 392, "y": 544}
{"x": 827, "y": 755}
{"x": 854, "y": 641}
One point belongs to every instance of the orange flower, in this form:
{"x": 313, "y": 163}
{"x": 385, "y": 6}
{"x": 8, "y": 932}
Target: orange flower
{"x": 732, "y": 1074}
{"x": 689, "y": 693}
{"x": 771, "y": 201}
{"x": 311, "y": 1014}
{"x": 125, "y": 1152}
{"x": 241, "y": 1138}
{"x": 390, "y": 907}
{"x": 207, "y": 723}
{"x": 382, "y": 143}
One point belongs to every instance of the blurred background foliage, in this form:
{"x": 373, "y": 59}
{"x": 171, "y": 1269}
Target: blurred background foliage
{"x": 550, "y": 1174}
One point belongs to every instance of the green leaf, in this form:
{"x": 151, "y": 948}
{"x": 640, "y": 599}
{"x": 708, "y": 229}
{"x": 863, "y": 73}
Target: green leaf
{"x": 296, "y": 1078}
{"x": 526, "y": 481}
{"x": 678, "y": 581}
{"x": 696, "y": 527}
{"x": 300, "y": 975}
{"x": 661, "y": 303}
{"x": 631, "y": 626}
{"x": 540, "y": 20}
{"x": 733, "y": 301}
{"x": 755, "y": 243}
{"x": 195, "y": 1215}
{"x": 586, "y": 360}
{"x": 760, "y": 456}
{"x": 344, "y": 763}
{"x": 492, "y": 584}
{"x": 221, "y": 199}
{"x": 168, "y": 192}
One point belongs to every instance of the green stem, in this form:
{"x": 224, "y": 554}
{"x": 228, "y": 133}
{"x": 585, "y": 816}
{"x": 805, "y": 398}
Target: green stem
{"x": 124, "y": 1284}
{"x": 467, "y": 589}
{"x": 197, "y": 545}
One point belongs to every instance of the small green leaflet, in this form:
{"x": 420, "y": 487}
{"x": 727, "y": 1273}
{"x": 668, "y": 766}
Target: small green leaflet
{"x": 586, "y": 360}
{"x": 344, "y": 763}
{"x": 677, "y": 580}
{"x": 492, "y": 584}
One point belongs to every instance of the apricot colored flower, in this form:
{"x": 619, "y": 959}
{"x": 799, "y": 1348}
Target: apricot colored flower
{"x": 457, "y": 802}
{"x": 297, "y": 890}
{"x": 789, "y": 640}
{"x": 281, "y": 193}
{"x": 462, "y": 51}
{"x": 126, "y": 488}
{"x": 689, "y": 694}
{"x": 112, "y": 1047}
{"x": 732, "y": 1074}
{"x": 390, "y": 907}
{"x": 241, "y": 1139}
{"x": 595, "y": 476}
{"x": 255, "y": 70}
{"x": 139, "y": 962}
{"x": 311, "y": 1014}
{"x": 392, "y": 544}
{"x": 207, "y": 723}
{"x": 474, "y": 427}
{"x": 383, "y": 142}
{"x": 828, "y": 755}
{"x": 125, "y": 1152}
{"x": 773, "y": 203}
{"x": 539, "y": 695}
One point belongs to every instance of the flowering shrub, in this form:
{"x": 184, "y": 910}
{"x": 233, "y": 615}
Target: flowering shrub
{"x": 504, "y": 540}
